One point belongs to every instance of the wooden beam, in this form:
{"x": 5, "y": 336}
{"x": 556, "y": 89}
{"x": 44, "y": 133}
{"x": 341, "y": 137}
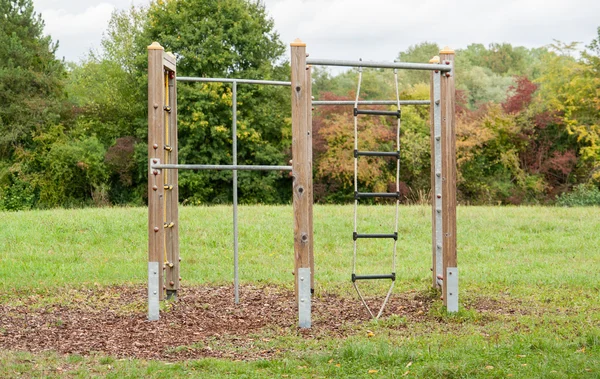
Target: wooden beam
{"x": 172, "y": 282}
{"x": 448, "y": 101}
{"x": 156, "y": 93}
{"x": 300, "y": 161}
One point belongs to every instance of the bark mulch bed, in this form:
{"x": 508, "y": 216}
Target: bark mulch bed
{"x": 113, "y": 321}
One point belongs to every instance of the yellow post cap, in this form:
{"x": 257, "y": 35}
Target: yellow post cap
{"x": 447, "y": 50}
{"x": 298, "y": 42}
{"x": 435, "y": 59}
{"x": 155, "y": 46}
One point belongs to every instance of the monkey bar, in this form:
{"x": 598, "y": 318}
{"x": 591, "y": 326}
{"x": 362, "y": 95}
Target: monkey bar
{"x": 371, "y": 64}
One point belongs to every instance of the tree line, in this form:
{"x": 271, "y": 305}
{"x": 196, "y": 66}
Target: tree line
{"x": 74, "y": 134}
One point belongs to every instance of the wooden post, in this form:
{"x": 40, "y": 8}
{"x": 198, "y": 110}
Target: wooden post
{"x": 449, "y": 176}
{"x": 171, "y": 217}
{"x": 302, "y": 180}
{"x": 156, "y": 232}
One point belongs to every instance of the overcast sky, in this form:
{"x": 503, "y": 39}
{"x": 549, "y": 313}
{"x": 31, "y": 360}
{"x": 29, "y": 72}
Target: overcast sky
{"x": 368, "y": 29}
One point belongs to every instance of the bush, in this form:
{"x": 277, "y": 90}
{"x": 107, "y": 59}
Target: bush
{"x": 582, "y": 195}
{"x": 19, "y": 196}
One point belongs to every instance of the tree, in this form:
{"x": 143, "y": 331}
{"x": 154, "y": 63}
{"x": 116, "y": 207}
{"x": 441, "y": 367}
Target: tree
{"x": 31, "y": 96}
{"x": 234, "y": 39}
{"x": 31, "y": 78}
{"x": 571, "y": 88}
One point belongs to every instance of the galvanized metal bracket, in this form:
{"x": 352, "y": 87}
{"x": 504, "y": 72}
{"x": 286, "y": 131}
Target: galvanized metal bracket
{"x": 152, "y": 170}
{"x": 452, "y": 289}
{"x": 437, "y": 143}
{"x": 153, "y": 294}
{"x": 304, "y": 298}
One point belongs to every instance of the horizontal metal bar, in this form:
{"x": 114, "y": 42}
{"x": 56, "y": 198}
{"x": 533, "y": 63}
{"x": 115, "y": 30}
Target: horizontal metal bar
{"x": 358, "y": 195}
{"x": 395, "y": 154}
{"x": 219, "y": 167}
{"x": 356, "y": 236}
{"x": 371, "y": 102}
{"x": 401, "y": 65}
{"x": 376, "y": 112}
{"x": 229, "y": 80}
{"x": 374, "y": 276}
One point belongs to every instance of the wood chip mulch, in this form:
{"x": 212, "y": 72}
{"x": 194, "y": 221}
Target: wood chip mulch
{"x": 203, "y": 322}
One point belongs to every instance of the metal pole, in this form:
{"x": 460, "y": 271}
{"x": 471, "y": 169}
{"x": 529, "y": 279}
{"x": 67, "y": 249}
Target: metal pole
{"x": 437, "y": 190}
{"x": 239, "y": 81}
{"x": 400, "y": 65}
{"x": 236, "y": 278}
{"x": 159, "y": 166}
{"x": 371, "y": 102}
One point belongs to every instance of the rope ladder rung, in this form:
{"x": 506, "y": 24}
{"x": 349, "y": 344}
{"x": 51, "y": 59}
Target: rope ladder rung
{"x": 361, "y": 195}
{"x": 375, "y": 112}
{"x": 395, "y": 154}
{"x": 391, "y": 276}
{"x": 356, "y": 235}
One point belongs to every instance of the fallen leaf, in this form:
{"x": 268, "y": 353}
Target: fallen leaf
{"x": 523, "y": 364}
{"x": 582, "y": 350}
{"x": 373, "y": 371}
{"x": 489, "y": 367}
{"x": 408, "y": 364}
{"x": 521, "y": 356}
{"x": 338, "y": 365}
{"x": 370, "y": 333}
{"x": 405, "y": 373}
{"x": 329, "y": 361}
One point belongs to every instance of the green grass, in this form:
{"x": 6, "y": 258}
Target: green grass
{"x": 542, "y": 260}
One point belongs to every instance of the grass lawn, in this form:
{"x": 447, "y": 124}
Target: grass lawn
{"x": 529, "y": 289}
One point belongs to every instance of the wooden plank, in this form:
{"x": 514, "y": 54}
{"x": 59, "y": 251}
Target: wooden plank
{"x": 169, "y": 61}
{"x": 156, "y": 232}
{"x": 448, "y": 165}
{"x": 310, "y": 178}
{"x": 171, "y": 193}
{"x": 300, "y": 162}
{"x": 175, "y": 192}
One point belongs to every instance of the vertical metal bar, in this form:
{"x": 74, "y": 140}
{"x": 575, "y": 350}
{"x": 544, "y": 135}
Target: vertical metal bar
{"x": 236, "y": 278}
{"x": 310, "y": 191}
{"x": 356, "y": 174}
{"x": 437, "y": 143}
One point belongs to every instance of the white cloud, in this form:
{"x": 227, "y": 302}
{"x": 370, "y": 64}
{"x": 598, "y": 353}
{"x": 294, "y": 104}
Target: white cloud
{"x": 78, "y": 25}
{"x": 379, "y": 29}
{"x": 373, "y": 30}
{"x": 92, "y": 21}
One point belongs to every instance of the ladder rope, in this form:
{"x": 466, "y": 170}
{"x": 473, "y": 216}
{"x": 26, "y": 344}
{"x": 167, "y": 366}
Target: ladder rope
{"x": 390, "y": 290}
